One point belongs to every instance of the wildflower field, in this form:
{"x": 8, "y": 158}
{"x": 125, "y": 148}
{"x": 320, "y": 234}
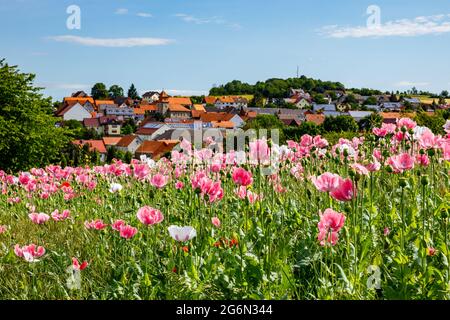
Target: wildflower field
{"x": 362, "y": 219}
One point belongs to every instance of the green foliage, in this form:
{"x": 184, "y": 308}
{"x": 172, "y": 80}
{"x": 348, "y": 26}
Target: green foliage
{"x": 99, "y": 91}
{"x": 434, "y": 122}
{"x": 371, "y": 101}
{"x": 29, "y": 136}
{"x": 115, "y": 91}
{"x": 128, "y": 127}
{"x": 132, "y": 92}
{"x": 319, "y": 99}
{"x": 275, "y": 88}
{"x": 375, "y": 120}
{"x": 295, "y": 133}
{"x": 340, "y": 124}
{"x": 267, "y": 122}
{"x": 333, "y": 137}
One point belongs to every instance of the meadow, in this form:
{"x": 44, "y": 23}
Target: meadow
{"x": 362, "y": 219}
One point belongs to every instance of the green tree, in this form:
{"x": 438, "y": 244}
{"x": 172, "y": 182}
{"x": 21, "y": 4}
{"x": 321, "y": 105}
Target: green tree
{"x": 371, "y": 101}
{"x": 29, "y": 136}
{"x": 295, "y": 133}
{"x": 115, "y": 91}
{"x": 99, "y": 91}
{"x": 444, "y": 94}
{"x": 132, "y": 92}
{"x": 368, "y": 123}
{"x": 268, "y": 122}
{"x": 340, "y": 124}
{"x": 319, "y": 99}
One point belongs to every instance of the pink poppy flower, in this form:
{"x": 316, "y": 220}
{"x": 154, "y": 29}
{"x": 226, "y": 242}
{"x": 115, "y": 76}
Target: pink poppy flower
{"x": 39, "y": 218}
{"x": 331, "y": 222}
{"x": 345, "y": 190}
{"x": 216, "y": 222}
{"x": 242, "y": 177}
{"x": 422, "y": 160}
{"x": 179, "y": 185}
{"x": 128, "y": 232}
{"x": 95, "y": 224}
{"x": 259, "y": 151}
{"x": 326, "y": 182}
{"x": 386, "y": 231}
{"x": 30, "y": 253}
{"x": 406, "y": 123}
{"x": 149, "y": 216}
{"x": 360, "y": 169}
{"x": 60, "y": 217}
{"x": 3, "y": 229}
{"x": 76, "y": 265}
{"x": 159, "y": 181}
{"x": 401, "y": 162}
{"x": 117, "y": 225}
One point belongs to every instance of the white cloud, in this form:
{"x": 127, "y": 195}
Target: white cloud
{"x": 411, "y": 84}
{"x": 121, "y": 11}
{"x": 64, "y": 86}
{"x": 178, "y": 92}
{"x": 144, "y": 15}
{"x": 423, "y": 25}
{"x": 211, "y": 20}
{"x": 112, "y": 42}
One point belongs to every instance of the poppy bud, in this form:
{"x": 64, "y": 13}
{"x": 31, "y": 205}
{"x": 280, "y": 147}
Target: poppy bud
{"x": 424, "y": 180}
{"x": 431, "y": 152}
{"x": 402, "y": 182}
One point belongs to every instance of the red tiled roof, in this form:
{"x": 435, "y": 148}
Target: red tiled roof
{"x": 318, "y": 119}
{"x": 178, "y": 108}
{"x": 97, "y": 145}
{"x": 91, "y": 122}
{"x": 182, "y": 101}
{"x": 210, "y": 100}
{"x": 126, "y": 141}
{"x": 111, "y": 141}
{"x": 156, "y": 149}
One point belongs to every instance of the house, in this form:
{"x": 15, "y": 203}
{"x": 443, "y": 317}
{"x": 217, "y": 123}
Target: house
{"x": 299, "y": 93}
{"x": 93, "y": 124}
{"x": 324, "y": 107}
{"x": 286, "y": 113}
{"x": 73, "y": 111}
{"x": 94, "y": 145}
{"x": 80, "y": 94}
{"x": 124, "y": 100}
{"x": 415, "y": 102}
{"x": 391, "y": 106}
{"x": 184, "y": 101}
{"x": 156, "y": 149}
{"x": 333, "y": 113}
{"x": 101, "y": 105}
{"x": 111, "y": 141}
{"x": 123, "y": 111}
{"x": 80, "y": 100}
{"x": 198, "y": 107}
{"x": 373, "y": 107}
{"x": 177, "y": 111}
{"x": 209, "y": 100}
{"x": 290, "y": 119}
{"x": 359, "y": 115}
{"x": 111, "y": 125}
{"x": 318, "y": 119}
{"x": 150, "y": 97}
{"x": 129, "y": 143}
{"x": 391, "y": 117}
{"x": 230, "y": 102}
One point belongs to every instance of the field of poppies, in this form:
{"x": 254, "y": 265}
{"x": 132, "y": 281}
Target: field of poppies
{"x": 362, "y": 219}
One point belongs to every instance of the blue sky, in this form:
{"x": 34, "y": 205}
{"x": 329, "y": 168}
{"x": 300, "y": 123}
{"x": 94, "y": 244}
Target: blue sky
{"x": 187, "y": 46}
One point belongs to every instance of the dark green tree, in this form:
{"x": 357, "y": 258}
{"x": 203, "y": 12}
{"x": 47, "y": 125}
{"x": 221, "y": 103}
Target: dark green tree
{"x": 340, "y": 124}
{"x": 99, "y": 91}
{"x": 132, "y": 92}
{"x": 29, "y": 136}
{"x": 115, "y": 91}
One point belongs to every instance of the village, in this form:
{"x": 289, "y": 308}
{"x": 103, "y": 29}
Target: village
{"x": 161, "y": 121}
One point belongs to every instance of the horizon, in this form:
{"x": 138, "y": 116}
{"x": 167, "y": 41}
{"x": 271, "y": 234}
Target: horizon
{"x": 186, "y": 48}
